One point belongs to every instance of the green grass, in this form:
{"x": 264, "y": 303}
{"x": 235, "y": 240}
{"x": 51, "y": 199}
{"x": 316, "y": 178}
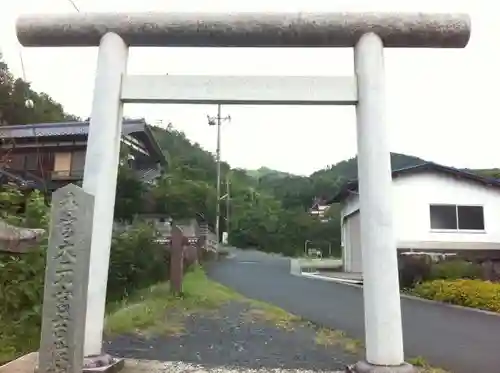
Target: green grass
{"x": 261, "y": 311}
{"x": 328, "y": 337}
{"x": 423, "y": 366}
{"x": 156, "y": 310}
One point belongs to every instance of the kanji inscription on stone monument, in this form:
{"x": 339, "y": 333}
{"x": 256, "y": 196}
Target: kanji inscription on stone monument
{"x": 66, "y": 281}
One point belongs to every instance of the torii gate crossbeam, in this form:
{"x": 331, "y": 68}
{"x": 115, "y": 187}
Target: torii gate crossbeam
{"x": 368, "y": 33}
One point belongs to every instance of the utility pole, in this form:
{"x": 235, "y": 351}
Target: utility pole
{"x": 212, "y": 122}
{"x": 228, "y": 201}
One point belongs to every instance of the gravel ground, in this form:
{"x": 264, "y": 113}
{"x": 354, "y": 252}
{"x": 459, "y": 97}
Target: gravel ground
{"x": 230, "y": 339}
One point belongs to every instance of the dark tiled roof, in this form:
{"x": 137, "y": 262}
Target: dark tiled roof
{"x": 61, "y": 129}
{"x": 133, "y": 127}
{"x": 352, "y": 186}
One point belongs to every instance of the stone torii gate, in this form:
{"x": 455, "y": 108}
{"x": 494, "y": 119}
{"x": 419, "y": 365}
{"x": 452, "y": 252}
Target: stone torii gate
{"x": 367, "y": 33}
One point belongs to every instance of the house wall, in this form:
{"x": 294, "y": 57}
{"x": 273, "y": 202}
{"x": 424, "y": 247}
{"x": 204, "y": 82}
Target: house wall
{"x": 350, "y": 205}
{"x": 58, "y": 163}
{"x": 353, "y": 260}
{"x": 415, "y": 193}
{"x": 36, "y": 162}
{"x": 412, "y": 196}
{"x": 350, "y": 250}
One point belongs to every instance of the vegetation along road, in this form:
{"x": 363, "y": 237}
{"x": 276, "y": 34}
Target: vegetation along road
{"x": 458, "y": 340}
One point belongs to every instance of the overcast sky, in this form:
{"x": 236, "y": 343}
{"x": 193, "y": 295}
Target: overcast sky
{"x": 439, "y": 102}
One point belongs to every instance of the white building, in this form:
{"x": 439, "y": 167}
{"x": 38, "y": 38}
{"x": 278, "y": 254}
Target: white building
{"x": 436, "y": 208}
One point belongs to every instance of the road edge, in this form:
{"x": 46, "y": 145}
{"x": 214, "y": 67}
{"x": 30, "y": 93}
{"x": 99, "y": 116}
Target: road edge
{"x": 314, "y": 276}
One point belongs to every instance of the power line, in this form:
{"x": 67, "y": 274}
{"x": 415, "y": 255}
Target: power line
{"x": 30, "y": 104}
{"x": 23, "y": 70}
{"x": 74, "y": 5}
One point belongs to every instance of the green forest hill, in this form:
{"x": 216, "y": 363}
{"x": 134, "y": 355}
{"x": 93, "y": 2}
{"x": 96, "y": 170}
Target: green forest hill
{"x": 269, "y": 208}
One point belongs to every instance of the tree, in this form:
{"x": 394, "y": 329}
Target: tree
{"x": 130, "y": 193}
{"x": 182, "y": 198}
{"x": 13, "y": 96}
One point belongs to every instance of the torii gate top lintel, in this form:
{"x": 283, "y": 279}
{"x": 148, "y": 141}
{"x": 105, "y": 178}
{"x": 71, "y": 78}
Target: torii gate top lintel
{"x": 400, "y": 30}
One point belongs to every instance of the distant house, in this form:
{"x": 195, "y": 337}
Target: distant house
{"x": 318, "y": 209}
{"x": 436, "y": 208}
{"x": 47, "y": 156}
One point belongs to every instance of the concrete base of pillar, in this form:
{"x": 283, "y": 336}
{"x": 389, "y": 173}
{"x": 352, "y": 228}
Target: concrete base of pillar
{"x": 365, "y": 367}
{"x": 102, "y": 364}
{"x": 92, "y": 364}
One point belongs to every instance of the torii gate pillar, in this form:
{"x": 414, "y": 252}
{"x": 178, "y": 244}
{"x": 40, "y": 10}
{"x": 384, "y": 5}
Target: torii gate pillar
{"x": 100, "y": 176}
{"x": 368, "y": 33}
{"x": 383, "y": 330}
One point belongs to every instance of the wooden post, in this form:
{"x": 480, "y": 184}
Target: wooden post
{"x": 176, "y": 260}
{"x": 200, "y": 245}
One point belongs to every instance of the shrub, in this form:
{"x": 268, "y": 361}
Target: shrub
{"x": 417, "y": 268}
{"x": 455, "y": 269}
{"x": 21, "y": 279}
{"x": 11, "y": 201}
{"x": 413, "y": 269}
{"x": 21, "y": 295}
{"x": 480, "y": 294}
{"x": 136, "y": 261}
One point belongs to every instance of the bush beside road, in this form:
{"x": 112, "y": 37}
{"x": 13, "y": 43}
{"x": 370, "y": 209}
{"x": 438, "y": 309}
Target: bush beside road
{"x": 484, "y": 295}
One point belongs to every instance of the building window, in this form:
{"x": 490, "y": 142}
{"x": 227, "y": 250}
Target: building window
{"x": 453, "y": 217}
{"x": 62, "y": 164}
{"x": 32, "y": 162}
{"x": 78, "y": 161}
{"x": 470, "y": 217}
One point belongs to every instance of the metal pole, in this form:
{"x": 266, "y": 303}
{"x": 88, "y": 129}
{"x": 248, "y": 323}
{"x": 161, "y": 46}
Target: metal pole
{"x": 217, "y": 206}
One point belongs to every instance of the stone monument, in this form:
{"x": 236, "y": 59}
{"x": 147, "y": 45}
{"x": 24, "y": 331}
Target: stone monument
{"x": 66, "y": 282}
{"x": 18, "y": 240}
{"x": 66, "y": 285}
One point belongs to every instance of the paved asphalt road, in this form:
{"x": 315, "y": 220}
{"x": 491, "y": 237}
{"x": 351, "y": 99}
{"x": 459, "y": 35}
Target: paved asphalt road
{"x": 459, "y": 340}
